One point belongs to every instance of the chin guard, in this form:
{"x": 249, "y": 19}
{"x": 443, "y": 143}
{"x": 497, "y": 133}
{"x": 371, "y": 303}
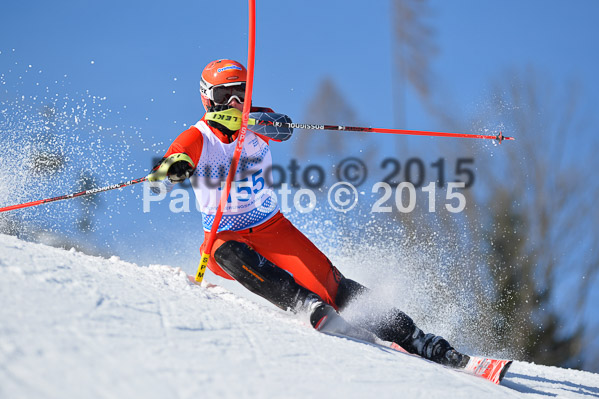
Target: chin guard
{"x": 229, "y": 118}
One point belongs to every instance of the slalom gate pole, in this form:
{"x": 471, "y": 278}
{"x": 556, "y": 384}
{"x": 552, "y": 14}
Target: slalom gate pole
{"x": 500, "y": 137}
{"x": 247, "y": 104}
{"x": 74, "y": 195}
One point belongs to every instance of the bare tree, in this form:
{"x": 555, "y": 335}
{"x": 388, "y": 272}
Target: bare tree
{"x": 413, "y": 50}
{"x": 89, "y": 203}
{"x": 533, "y": 217}
{"x": 328, "y": 106}
{"x": 48, "y": 158}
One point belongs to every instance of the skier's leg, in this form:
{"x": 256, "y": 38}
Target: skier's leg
{"x": 285, "y": 246}
{"x": 348, "y": 291}
{"x": 274, "y": 284}
{"x": 396, "y": 326}
{"x": 259, "y": 275}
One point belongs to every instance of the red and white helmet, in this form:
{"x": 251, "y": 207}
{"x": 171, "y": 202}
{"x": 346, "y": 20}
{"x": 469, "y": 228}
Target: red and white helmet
{"x": 221, "y": 81}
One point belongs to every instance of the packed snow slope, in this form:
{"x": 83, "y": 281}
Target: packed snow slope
{"x": 76, "y": 326}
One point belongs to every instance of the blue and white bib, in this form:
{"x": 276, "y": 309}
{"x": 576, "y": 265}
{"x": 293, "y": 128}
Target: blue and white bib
{"x": 252, "y": 200}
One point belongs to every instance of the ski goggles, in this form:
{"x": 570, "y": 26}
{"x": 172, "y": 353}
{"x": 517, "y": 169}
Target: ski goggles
{"x": 222, "y": 94}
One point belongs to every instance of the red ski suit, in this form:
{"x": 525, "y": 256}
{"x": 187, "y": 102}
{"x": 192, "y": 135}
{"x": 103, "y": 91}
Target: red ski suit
{"x": 276, "y": 239}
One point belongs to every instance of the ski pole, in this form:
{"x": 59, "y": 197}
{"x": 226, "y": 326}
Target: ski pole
{"x": 285, "y": 125}
{"x": 238, "y": 148}
{"x": 73, "y": 195}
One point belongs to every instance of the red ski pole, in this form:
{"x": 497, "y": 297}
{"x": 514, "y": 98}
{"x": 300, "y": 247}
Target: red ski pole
{"x": 500, "y": 137}
{"x": 240, "y": 139}
{"x": 73, "y": 195}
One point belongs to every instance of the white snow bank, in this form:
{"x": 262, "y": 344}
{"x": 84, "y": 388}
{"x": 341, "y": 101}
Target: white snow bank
{"x": 75, "y": 326}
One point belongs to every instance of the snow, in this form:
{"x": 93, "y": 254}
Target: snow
{"x": 76, "y": 326}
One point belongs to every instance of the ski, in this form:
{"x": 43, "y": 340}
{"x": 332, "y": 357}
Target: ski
{"x": 490, "y": 369}
{"x": 483, "y": 367}
{"x": 333, "y": 324}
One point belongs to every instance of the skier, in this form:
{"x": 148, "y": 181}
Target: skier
{"x": 255, "y": 244}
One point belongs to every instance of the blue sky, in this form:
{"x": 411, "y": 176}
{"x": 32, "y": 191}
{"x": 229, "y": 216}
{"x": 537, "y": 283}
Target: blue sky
{"x": 144, "y": 59}
{"x": 141, "y": 61}
{"x": 139, "y": 49}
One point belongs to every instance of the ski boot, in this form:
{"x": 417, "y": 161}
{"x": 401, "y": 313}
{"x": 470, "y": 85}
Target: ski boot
{"x": 435, "y": 348}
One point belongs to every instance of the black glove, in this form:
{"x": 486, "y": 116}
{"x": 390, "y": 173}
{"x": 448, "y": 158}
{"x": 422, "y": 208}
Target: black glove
{"x": 179, "y": 171}
{"x": 177, "y": 167}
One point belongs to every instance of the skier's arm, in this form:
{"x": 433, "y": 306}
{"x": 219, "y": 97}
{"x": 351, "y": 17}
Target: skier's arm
{"x": 269, "y": 132}
{"x": 179, "y": 161}
{"x": 230, "y": 119}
